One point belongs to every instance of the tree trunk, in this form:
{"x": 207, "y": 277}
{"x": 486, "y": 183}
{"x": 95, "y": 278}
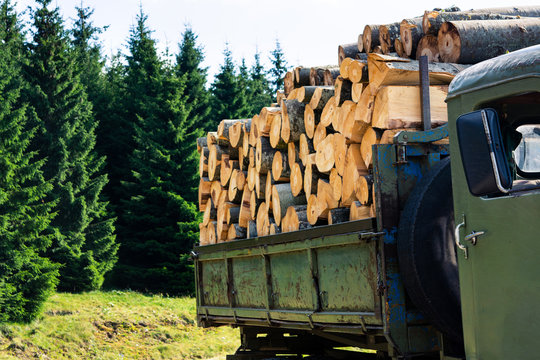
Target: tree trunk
{"x": 214, "y": 161}
{"x": 316, "y": 75}
{"x": 433, "y": 20}
{"x": 253, "y": 131}
{"x": 293, "y": 116}
{"x": 321, "y": 96}
{"x": 282, "y": 198}
{"x": 370, "y": 37}
{"x": 470, "y": 42}
{"x": 359, "y": 211}
{"x": 400, "y": 107}
{"x": 428, "y": 46}
{"x": 266, "y": 116}
{"x": 387, "y": 36}
{"x": 386, "y": 70}
{"x": 223, "y": 128}
{"x": 280, "y": 167}
{"x": 311, "y": 177}
{"x": 268, "y": 190}
{"x": 371, "y": 137}
{"x": 236, "y": 132}
{"x": 330, "y": 76}
{"x": 338, "y": 215}
{"x": 232, "y": 215}
{"x": 347, "y": 51}
{"x": 305, "y": 93}
{"x": 227, "y": 167}
{"x": 410, "y": 31}
{"x": 260, "y": 184}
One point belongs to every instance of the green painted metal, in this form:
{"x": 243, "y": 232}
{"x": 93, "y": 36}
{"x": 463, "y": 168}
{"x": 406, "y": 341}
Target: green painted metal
{"x": 500, "y": 291}
{"x": 404, "y": 137}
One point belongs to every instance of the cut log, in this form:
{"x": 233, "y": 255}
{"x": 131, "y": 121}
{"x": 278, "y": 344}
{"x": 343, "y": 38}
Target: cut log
{"x": 212, "y": 233}
{"x": 253, "y": 131}
{"x": 427, "y": 46}
{"x": 266, "y": 117}
{"x": 433, "y": 20}
{"x": 203, "y": 161}
{"x": 320, "y": 97}
{"x": 264, "y": 154}
{"x": 324, "y": 158}
{"x": 344, "y": 68}
{"x": 254, "y": 204}
{"x": 252, "y": 229}
{"x": 364, "y": 189}
{"x": 353, "y": 130}
{"x": 251, "y": 177}
{"x": 411, "y": 32}
{"x": 305, "y": 93}
{"x": 234, "y": 194}
{"x": 336, "y": 184}
{"x": 342, "y": 113}
{"x": 294, "y": 216}
{"x": 203, "y": 235}
{"x": 398, "y": 46}
{"x": 400, "y": 107}
{"x": 387, "y": 70}
{"x": 202, "y": 142}
{"x": 222, "y": 226}
{"x": 292, "y": 154}
{"x": 316, "y": 76}
{"x": 288, "y": 83}
{"x": 274, "y": 229}
{"x": 356, "y": 91}
{"x": 523, "y": 11}
{"x": 311, "y": 119}
{"x": 470, "y": 42}
{"x": 358, "y": 72}
{"x": 325, "y": 197}
{"x": 223, "y": 128}
{"x": 215, "y": 191}
{"x": 330, "y": 76}
{"x": 214, "y": 161}
{"x": 311, "y": 177}
{"x": 354, "y": 168}
{"x": 280, "y": 95}
{"x": 275, "y": 134}
{"x": 301, "y": 76}
{"x": 297, "y": 179}
{"x": 319, "y": 136}
{"x": 232, "y": 215}
{"x": 371, "y": 137}
{"x": 210, "y": 213}
{"x": 360, "y": 43}
{"x": 263, "y": 220}
{"x": 292, "y": 120}
{"x": 387, "y": 36}
{"x": 268, "y": 190}
{"x": 338, "y": 215}
{"x": 244, "y": 216}
{"x": 227, "y": 167}
{"x": 305, "y": 148}
{"x": 282, "y": 198}
{"x": 328, "y": 111}
{"x": 236, "y": 132}
{"x": 280, "y": 167}
{"x": 211, "y": 138}
{"x": 342, "y": 90}
{"x": 359, "y": 211}
{"x": 340, "y": 151}
{"x": 347, "y": 51}
{"x": 370, "y": 37}
{"x": 364, "y": 109}
{"x": 260, "y": 185}
{"x": 236, "y": 232}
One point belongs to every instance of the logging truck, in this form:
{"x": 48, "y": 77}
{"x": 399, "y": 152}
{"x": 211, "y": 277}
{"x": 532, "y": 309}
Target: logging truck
{"x": 442, "y": 265}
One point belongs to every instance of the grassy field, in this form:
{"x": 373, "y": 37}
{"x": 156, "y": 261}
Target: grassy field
{"x": 116, "y": 325}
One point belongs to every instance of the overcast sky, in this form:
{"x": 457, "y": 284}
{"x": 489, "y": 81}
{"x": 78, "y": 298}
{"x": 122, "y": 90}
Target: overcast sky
{"x": 309, "y": 30}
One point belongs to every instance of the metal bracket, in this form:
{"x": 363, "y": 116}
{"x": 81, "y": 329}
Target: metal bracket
{"x": 427, "y": 136}
{"x": 401, "y": 154}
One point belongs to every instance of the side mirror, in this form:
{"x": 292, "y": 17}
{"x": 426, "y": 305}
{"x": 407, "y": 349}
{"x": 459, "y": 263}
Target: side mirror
{"x": 482, "y": 152}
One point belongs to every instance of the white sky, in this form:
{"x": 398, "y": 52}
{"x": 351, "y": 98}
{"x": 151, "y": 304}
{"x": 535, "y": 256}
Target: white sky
{"x": 309, "y": 30}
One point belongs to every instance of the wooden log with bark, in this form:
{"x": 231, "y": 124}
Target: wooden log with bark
{"x": 320, "y": 97}
{"x": 311, "y": 177}
{"x": 264, "y": 155}
{"x": 244, "y": 216}
{"x": 330, "y": 76}
{"x": 359, "y": 211}
{"x": 410, "y": 31}
{"x": 210, "y": 213}
{"x": 288, "y": 83}
{"x": 252, "y": 229}
{"x": 203, "y": 161}
{"x": 470, "y": 42}
{"x": 400, "y": 107}
{"x": 433, "y": 20}
{"x": 338, "y": 215}
{"x": 387, "y": 36}
{"x": 311, "y": 119}
{"x": 336, "y": 184}
{"x": 370, "y": 37}
{"x": 324, "y": 158}
{"x": 236, "y": 232}
{"x": 305, "y": 148}
{"x": 354, "y": 168}
{"x": 357, "y": 71}
{"x": 292, "y": 153}
{"x": 292, "y": 120}
{"x": 342, "y": 90}
{"x": 282, "y": 198}
{"x": 266, "y": 117}
{"x": 328, "y": 112}
{"x": 364, "y": 189}
{"x": 360, "y": 43}
{"x": 294, "y": 217}
{"x": 301, "y": 76}
{"x": 297, "y": 179}
{"x": 398, "y": 47}
{"x": 371, "y": 137}
{"x": 428, "y": 46}
{"x": 205, "y": 186}
{"x": 347, "y": 51}
{"x": 280, "y": 167}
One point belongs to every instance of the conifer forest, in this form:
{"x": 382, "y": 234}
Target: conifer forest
{"x": 99, "y": 165}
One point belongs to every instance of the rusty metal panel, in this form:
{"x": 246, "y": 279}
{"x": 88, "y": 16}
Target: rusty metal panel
{"x": 291, "y": 281}
{"x": 249, "y": 282}
{"x": 348, "y": 277}
{"x": 214, "y": 283}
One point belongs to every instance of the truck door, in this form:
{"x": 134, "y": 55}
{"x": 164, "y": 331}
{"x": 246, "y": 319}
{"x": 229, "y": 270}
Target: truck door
{"x": 499, "y": 237}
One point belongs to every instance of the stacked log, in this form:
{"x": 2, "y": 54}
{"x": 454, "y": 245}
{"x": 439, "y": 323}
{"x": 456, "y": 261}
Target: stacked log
{"x": 309, "y": 161}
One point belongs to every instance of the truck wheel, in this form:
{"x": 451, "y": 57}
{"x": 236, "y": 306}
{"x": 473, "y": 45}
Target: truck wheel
{"x": 426, "y": 251}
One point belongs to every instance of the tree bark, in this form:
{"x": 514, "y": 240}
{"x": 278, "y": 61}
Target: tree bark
{"x": 470, "y": 42}
{"x": 264, "y": 155}
{"x": 364, "y": 189}
{"x": 210, "y": 213}
{"x": 433, "y": 20}
{"x": 244, "y": 216}
{"x": 293, "y": 116}
{"x": 387, "y": 36}
{"x": 330, "y": 76}
{"x": 236, "y": 232}
{"x": 347, "y": 51}
{"x": 316, "y": 75}
{"x": 301, "y": 76}
{"x": 295, "y": 215}
{"x": 342, "y": 90}
{"x": 370, "y": 37}
{"x": 282, "y": 198}
{"x": 311, "y": 177}
{"x": 203, "y": 161}
{"x": 321, "y": 96}
{"x": 254, "y": 204}
{"x": 398, "y": 46}
{"x": 428, "y": 46}
{"x": 410, "y": 31}
{"x": 305, "y": 93}
{"x": 305, "y": 146}
{"x": 252, "y": 229}
{"x": 338, "y": 215}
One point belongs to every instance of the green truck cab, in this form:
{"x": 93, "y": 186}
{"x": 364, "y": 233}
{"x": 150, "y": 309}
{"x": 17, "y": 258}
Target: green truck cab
{"x": 444, "y": 270}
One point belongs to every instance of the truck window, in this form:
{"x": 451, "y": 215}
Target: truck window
{"x": 527, "y": 154}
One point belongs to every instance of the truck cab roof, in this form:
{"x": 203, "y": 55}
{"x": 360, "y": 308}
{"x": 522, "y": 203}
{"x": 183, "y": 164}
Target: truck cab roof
{"x": 524, "y": 63}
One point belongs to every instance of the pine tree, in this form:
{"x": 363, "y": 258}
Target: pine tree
{"x": 279, "y": 68}
{"x": 228, "y": 101}
{"x": 260, "y": 94}
{"x": 26, "y": 278}
{"x": 158, "y": 224}
{"x": 244, "y": 92}
{"x": 83, "y": 240}
{"x": 188, "y": 65}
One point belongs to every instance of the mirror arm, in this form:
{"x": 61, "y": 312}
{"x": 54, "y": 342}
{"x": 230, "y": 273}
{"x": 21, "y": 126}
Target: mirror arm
{"x": 492, "y": 155}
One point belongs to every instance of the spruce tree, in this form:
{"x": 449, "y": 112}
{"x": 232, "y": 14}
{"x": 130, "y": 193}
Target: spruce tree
{"x": 260, "y": 94}
{"x": 26, "y": 278}
{"x": 188, "y": 65}
{"x": 228, "y": 101}
{"x": 158, "y": 225}
{"x": 83, "y": 240}
{"x": 279, "y": 68}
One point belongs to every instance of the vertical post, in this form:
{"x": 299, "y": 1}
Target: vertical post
{"x": 424, "y": 92}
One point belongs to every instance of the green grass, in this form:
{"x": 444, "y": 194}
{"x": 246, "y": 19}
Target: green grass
{"x": 116, "y": 325}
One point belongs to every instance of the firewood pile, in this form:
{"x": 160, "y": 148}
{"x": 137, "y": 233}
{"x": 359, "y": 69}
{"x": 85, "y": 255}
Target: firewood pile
{"x": 307, "y": 160}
